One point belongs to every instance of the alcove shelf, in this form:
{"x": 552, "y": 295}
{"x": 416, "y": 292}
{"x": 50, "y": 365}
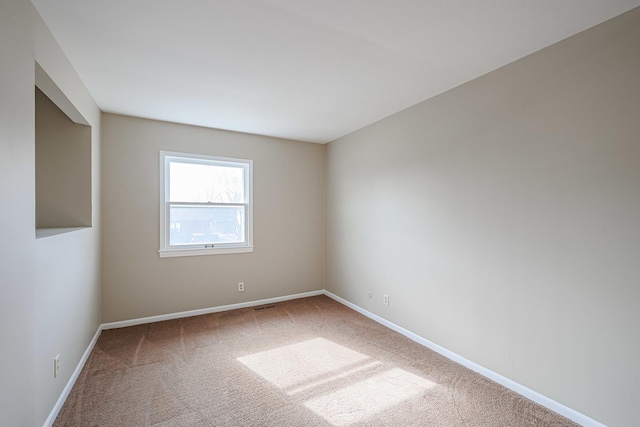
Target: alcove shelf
{"x": 62, "y": 169}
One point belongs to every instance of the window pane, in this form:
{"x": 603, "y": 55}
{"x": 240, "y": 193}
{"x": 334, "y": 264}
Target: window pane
{"x": 206, "y": 224}
{"x": 192, "y": 182}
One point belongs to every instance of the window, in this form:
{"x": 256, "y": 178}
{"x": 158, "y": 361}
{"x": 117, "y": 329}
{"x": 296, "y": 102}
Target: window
{"x": 205, "y": 205}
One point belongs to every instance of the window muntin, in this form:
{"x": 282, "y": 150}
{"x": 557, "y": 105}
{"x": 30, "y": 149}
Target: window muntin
{"x": 205, "y": 204}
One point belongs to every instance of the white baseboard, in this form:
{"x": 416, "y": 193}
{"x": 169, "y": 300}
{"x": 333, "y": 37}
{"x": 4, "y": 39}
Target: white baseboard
{"x": 65, "y": 392}
{"x": 67, "y": 389}
{"x": 551, "y": 404}
{"x": 190, "y": 313}
{"x": 506, "y": 382}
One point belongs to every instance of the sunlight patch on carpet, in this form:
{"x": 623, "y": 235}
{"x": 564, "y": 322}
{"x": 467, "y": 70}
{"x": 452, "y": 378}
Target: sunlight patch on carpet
{"x": 345, "y": 374}
{"x": 306, "y": 366}
{"x": 298, "y": 364}
{"x": 357, "y": 402}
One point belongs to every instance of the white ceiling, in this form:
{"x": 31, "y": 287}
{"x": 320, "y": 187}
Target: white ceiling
{"x": 310, "y": 70}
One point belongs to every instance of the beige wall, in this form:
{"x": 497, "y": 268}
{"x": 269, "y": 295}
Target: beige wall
{"x": 500, "y": 217}
{"x": 50, "y": 300}
{"x": 503, "y": 220}
{"x": 17, "y": 263}
{"x": 63, "y": 168}
{"x": 288, "y": 221}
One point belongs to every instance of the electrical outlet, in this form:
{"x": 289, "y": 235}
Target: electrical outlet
{"x": 56, "y": 366}
{"x": 385, "y": 299}
{"x": 240, "y": 286}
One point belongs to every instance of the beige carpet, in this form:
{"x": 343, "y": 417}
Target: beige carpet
{"x": 307, "y": 362}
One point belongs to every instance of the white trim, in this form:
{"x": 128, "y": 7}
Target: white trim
{"x": 551, "y": 404}
{"x": 163, "y": 196}
{"x": 105, "y": 326}
{"x": 76, "y": 373}
{"x": 208, "y": 251}
{"x": 191, "y": 313}
{"x": 166, "y": 250}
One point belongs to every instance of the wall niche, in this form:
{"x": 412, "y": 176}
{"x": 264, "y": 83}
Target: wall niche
{"x": 63, "y": 170}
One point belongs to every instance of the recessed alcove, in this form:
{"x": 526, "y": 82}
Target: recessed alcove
{"x": 62, "y": 163}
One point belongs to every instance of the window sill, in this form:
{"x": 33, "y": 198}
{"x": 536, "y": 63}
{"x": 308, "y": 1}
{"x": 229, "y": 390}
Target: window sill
{"x": 196, "y": 252}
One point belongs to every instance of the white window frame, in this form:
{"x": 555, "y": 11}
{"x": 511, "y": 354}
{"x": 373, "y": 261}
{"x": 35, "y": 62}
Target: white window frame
{"x": 166, "y": 250}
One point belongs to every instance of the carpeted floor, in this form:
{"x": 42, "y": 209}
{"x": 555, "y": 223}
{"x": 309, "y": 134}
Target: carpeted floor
{"x": 307, "y": 362}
